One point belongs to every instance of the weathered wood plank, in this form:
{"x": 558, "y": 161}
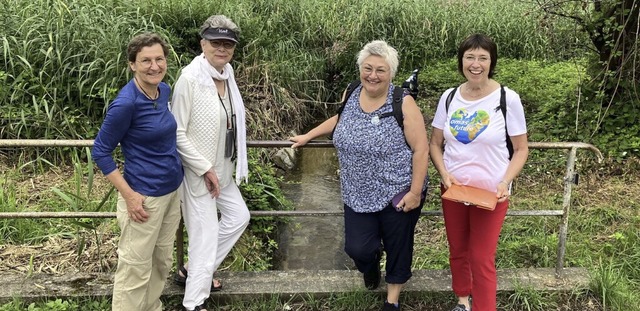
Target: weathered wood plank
{"x": 246, "y": 285}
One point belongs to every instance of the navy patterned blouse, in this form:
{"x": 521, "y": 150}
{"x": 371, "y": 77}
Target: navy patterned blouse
{"x": 375, "y": 161}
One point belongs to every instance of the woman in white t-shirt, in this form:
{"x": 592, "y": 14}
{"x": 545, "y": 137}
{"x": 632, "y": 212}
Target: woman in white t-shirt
{"x": 470, "y": 146}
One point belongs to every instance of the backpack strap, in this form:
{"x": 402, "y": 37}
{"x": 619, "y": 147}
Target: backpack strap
{"x": 447, "y": 102}
{"x": 396, "y": 107}
{"x": 502, "y": 107}
{"x": 350, "y": 88}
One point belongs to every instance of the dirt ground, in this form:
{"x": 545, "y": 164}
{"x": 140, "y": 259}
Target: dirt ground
{"x": 68, "y": 251}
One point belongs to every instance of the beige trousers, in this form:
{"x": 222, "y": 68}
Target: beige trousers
{"x": 145, "y": 254}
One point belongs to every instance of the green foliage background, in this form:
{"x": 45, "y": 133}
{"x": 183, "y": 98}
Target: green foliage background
{"x": 62, "y": 62}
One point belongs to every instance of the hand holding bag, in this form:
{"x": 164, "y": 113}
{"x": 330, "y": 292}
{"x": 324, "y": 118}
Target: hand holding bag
{"x": 471, "y": 196}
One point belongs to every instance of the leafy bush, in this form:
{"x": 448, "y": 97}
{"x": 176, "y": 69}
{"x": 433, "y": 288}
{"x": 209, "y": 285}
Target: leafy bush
{"x": 73, "y": 304}
{"x": 549, "y": 93}
{"x": 263, "y": 193}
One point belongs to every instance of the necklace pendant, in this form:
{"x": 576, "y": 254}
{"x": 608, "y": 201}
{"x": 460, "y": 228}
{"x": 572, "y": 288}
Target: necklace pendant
{"x": 375, "y": 120}
{"x": 155, "y": 104}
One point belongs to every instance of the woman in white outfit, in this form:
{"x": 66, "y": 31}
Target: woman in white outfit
{"x": 211, "y": 139}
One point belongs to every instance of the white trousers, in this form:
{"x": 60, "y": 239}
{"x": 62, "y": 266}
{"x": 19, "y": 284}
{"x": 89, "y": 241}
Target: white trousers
{"x": 210, "y": 240}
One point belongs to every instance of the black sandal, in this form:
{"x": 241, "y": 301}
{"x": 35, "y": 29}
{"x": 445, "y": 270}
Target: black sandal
{"x": 181, "y": 280}
{"x": 197, "y": 308}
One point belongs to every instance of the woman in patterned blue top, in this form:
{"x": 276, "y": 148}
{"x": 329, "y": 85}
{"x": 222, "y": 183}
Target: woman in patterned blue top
{"x": 383, "y": 171}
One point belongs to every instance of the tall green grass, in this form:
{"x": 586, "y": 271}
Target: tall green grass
{"x": 62, "y": 62}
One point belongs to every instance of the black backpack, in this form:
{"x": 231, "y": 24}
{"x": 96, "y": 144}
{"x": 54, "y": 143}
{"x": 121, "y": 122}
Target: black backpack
{"x": 502, "y": 107}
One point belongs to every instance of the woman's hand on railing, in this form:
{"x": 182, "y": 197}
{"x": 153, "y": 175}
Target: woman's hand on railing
{"x": 502, "y": 191}
{"x": 299, "y": 140}
{"x": 409, "y": 202}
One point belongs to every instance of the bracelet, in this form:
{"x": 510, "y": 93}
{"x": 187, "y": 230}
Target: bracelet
{"x": 504, "y": 182}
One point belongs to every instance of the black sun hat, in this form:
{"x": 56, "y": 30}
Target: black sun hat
{"x": 219, "y": 34}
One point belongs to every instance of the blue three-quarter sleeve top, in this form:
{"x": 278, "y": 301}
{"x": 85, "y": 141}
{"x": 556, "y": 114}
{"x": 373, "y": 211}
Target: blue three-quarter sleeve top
{"x": 146, "y": 132}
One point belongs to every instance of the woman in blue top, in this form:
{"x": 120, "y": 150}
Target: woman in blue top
{"x": 379, "y": 161}
{"x": 148, "y": 208}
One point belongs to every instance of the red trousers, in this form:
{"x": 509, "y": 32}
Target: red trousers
{"x": 473, "y": 235}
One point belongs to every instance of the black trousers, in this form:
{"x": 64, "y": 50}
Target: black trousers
{"x": 366, "y": 233}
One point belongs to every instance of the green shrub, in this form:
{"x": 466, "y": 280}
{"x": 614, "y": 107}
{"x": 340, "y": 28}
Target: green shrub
{"x": 549, "y": 93}
{"x": 72, "y": 304}
{"x": 263, "y": 193}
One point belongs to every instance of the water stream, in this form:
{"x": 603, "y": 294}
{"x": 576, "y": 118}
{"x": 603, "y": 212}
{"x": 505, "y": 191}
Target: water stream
{"x": 313, "y": 242}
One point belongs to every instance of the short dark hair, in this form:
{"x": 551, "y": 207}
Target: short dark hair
{"x": 479, "y": 41}
{"x": 143, "y": 40}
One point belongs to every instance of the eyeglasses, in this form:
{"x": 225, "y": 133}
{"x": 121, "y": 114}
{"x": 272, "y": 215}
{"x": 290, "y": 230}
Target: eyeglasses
{"x": 479, "y": 59}
{"x": 147, "y": 62}
{"x": 216, "y": 44}
{"x": 379, "y": 71}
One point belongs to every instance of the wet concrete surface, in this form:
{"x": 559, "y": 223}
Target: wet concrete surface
{"x": 313, "y": 242}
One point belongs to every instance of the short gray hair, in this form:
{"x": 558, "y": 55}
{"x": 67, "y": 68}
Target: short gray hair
{"x": 382, "y": 49}
{"x": 219, "y": 21}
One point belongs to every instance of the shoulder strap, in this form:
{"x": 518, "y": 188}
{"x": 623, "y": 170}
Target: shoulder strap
{"x": 449, "y": 99}
{"x": 350, "y": 88}
{"x": 503, "y": 108}
{"x": 396, "y": 107}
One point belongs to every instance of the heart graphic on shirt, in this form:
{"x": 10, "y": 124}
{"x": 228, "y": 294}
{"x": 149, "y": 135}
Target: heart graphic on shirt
{"x": 467, "y": 127}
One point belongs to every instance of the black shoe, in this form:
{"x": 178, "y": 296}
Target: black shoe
{"x": 390, "y": 307}
{"x": 373, "y": 276}
{"x": 180, "y": 278}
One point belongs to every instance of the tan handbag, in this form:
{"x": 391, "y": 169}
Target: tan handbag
{"x": 471, "y": 196}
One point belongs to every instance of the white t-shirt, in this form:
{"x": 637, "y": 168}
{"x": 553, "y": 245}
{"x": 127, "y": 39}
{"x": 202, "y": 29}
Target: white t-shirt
{"x": 475, "y": 150}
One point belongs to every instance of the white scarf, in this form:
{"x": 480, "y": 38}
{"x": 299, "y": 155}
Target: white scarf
{"x": 203, "y": 71}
